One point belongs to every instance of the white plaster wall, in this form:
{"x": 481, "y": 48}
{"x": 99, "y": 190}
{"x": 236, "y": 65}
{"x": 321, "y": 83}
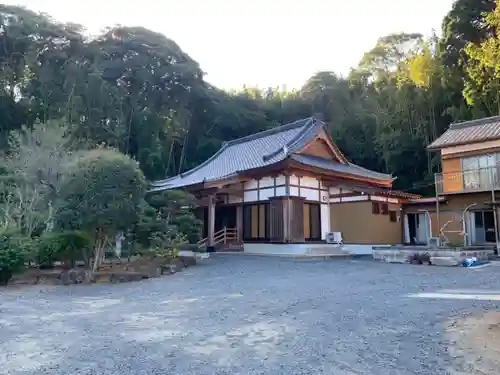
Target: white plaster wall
{"x": 309, "y": 194}
{"x": 266, "y": 182}
{"x": 325, "y": 220}
{"x": 392, "y": 200}
{"x": 379, "y": 199}
{"x": 266, "y": 193}
{"x": 280, "y": 180}
{"x": 294, "y": 191}
{"x": 294, "y": 180}
{"x": 355, "y": 199}
{"x": 309, "y": 181}
{"x": 251, "y": 184}
{"x": 335, "y": 200}
{"x": 234, "y": 199}
{"x": 250, "y": 196}
{"x": 280, "y": 191}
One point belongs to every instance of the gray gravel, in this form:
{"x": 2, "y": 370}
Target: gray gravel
{"x": 243, "y": 315}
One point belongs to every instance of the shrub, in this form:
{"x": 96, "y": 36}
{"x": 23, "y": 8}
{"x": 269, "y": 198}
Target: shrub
{"x": 66, "y": 247}
{"x": 12, "y": 255}
{"x": 100, "y": 193}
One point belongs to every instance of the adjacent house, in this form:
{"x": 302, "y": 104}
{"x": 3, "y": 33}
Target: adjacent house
{"x": 465, "y": 209}
{"x": 285, "y": 190}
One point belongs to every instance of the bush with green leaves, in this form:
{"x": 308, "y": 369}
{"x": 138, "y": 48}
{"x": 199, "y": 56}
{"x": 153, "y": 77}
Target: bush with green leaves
{"x": 100, "y": 194}
{"x": 172, "y": 212}
{"x": 66, "y": 247}
{"x": 12, "y": 255}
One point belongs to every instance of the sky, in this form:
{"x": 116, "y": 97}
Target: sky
{"x": 264, "y": 43}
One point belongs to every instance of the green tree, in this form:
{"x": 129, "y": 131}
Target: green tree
{"x": 33, "y": 167}
{"x": 482, "y": 86}
{"x": 100, "y": 194}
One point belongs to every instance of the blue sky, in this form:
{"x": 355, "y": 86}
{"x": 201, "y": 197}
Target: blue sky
{"x": 260, "y": 42}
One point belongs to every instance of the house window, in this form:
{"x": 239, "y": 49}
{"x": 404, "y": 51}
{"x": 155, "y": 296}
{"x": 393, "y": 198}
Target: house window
{"x": 255, "y": 222}
{"x": 384, "y": 208}
{"x": 375, "y": 208}
{"x": 393, "y": 216}
{"x": 479, "y": 170}
{"x": 312, "y": 222}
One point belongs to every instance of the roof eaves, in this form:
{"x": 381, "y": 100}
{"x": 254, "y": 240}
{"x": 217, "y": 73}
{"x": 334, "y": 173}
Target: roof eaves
{"x": 435, "y": 147}
{"x": 188, "y": 172}
{"x": 481, "y": 121}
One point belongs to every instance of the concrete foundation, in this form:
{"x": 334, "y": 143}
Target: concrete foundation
{"x": 306, "y": 249}
{"x": 401, "y": 254}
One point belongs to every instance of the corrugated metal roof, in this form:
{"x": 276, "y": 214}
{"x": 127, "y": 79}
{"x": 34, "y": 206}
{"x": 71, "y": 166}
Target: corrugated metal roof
{"x": 256, "y": 151}
{"x": 349, "y": 168}
{"x": 461, "y": 133}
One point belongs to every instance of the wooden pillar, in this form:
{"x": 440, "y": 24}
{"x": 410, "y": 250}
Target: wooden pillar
{"x": 211, "y": 220}
{"x": 239, "y": 222}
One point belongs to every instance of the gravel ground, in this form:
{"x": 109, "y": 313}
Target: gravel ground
{"x": 246, "y": 315}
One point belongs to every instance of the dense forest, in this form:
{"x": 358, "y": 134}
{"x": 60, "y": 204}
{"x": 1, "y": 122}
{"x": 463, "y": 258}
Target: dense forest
{"x": 139, "y": 92}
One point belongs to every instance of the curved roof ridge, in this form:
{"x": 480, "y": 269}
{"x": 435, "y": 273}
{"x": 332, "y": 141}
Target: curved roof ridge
{"x": 311, "y": 122}
{"x": 264, "y": 133}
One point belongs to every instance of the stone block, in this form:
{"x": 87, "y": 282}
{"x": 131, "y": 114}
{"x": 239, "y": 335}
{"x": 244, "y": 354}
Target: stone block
{"x": 187, "y": 260}
{"x": 444, "y": 261}
{"x": 177, "y": 264}
{"x": 168, "y": 269}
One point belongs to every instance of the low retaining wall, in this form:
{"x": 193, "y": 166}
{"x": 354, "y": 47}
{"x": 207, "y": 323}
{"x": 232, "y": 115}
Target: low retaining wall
{"x": 399, "y": 255}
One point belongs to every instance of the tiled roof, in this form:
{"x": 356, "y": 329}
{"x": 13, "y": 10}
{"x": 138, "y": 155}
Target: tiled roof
{"x": 461, "y": 133}
{"x": 256, "y": 151}
{"x": 348, "y": 168}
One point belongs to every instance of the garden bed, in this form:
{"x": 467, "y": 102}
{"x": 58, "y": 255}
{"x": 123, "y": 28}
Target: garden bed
{"x": 110, "y": 272}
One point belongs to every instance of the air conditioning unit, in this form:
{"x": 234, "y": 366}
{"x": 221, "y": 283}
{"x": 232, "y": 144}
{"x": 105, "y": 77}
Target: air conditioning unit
{"x": 334, "y": 237}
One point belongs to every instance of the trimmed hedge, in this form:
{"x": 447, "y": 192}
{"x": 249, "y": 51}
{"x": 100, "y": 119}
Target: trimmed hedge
{"x": 66, "y": 247}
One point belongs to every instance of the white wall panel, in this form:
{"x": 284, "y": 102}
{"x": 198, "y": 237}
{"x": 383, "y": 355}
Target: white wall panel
{"x": 309, "y": 181}
{"x": 251, "y": 184}
{"x": 250, "y": 196}
{"x": 280, "y": 191}
{"x": 280, "y": 180}
{"x": 294, "y": 180}
{"x": 309, "y": 194}
{"x": 294, "y": 191}
{"x": 355, "y": 199}
{"x": 266, "y": 182}
{"x": 325, "y": 220}
{"x": 266, "y": 193}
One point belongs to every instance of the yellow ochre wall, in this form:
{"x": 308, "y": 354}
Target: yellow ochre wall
{"x": 360, "y": 226}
